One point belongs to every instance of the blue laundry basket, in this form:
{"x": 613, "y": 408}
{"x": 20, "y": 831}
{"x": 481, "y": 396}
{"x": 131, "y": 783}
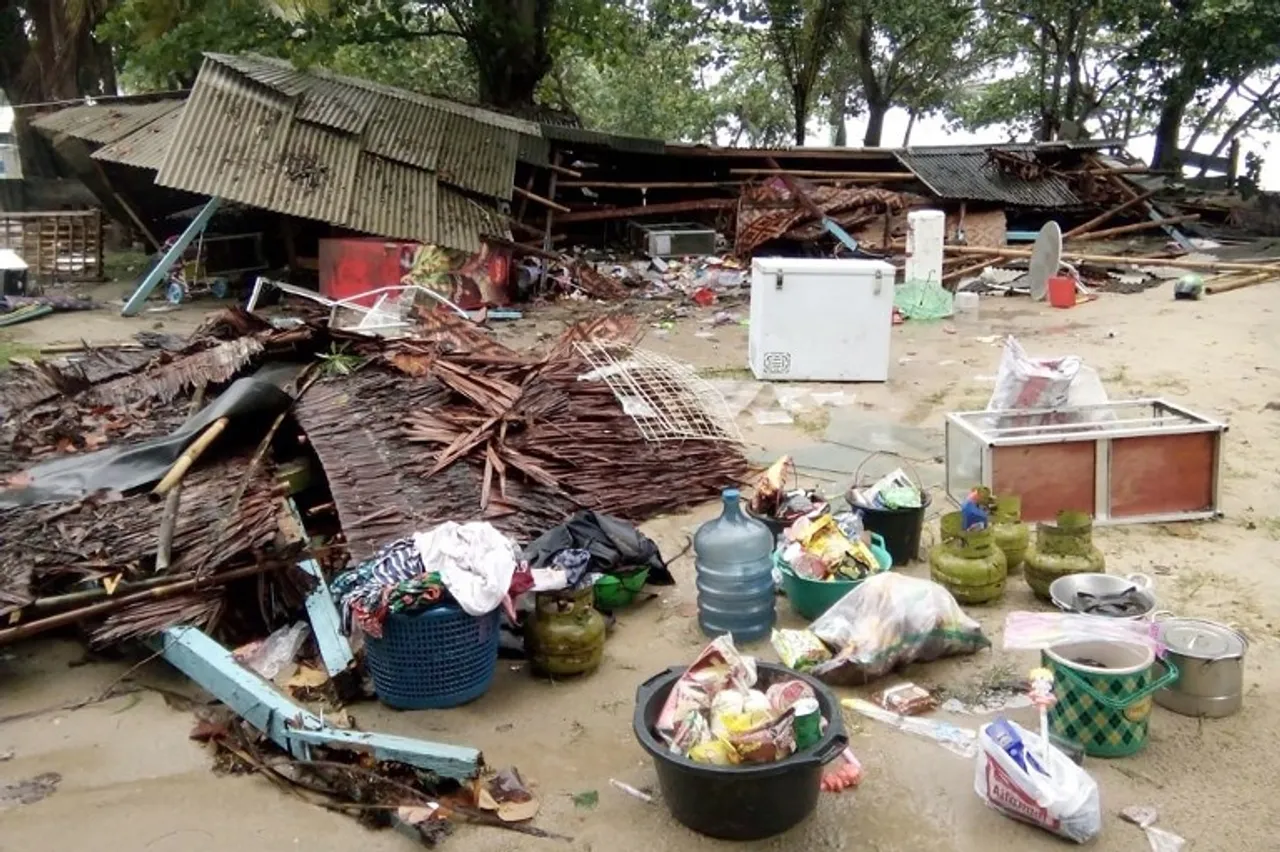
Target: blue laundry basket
{"x": 439, "y": 657}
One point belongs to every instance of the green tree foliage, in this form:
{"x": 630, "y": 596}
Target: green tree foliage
{"x": 160, "y": 43}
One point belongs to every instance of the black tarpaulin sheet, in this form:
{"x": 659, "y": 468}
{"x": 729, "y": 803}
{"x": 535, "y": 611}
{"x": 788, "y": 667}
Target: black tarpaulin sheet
{"x": 251, "y": 403}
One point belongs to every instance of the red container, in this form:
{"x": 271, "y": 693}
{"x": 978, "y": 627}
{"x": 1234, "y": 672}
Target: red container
{"x": 1062, "y": 291}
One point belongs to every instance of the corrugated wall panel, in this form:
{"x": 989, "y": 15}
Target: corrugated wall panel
{"x": 395, "y": 200}
{"x": 316, "y": 173}
{"x": 464, "y": 221}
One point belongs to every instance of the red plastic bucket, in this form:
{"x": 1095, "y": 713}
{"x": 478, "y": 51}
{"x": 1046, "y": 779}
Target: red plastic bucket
{"x": 1062, "y": 291}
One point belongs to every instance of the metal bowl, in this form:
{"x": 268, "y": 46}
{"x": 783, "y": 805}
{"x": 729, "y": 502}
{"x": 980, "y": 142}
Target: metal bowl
{"x": 1063, "y": 591}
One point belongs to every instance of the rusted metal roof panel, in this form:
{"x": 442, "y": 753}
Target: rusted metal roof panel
{"x": 395, "y": 201}
{"x": 968, "y": 175}
{"x": 462, "y": 222}
{"x": 144, "y": 148}
{"x": 104, "y": 123}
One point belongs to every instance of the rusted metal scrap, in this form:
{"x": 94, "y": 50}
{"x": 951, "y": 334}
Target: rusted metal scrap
{"x": 768, "y": 211}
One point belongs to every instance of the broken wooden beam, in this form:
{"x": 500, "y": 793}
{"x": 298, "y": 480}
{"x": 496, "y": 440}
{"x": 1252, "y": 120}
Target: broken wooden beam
{"x": 1229, "y": 283}
{"x": 644, "y": 184}
{"x": 545, "y": 202}
{"x": 1117, "y": 260}
{"x": 1109, "y": 214}
{"x": 291, "y": 726}
{"x": 819, "y": 173}
{"x": 1136, "y": 226}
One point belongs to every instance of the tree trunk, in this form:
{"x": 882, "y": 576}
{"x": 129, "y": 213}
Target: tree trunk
{"x": 839, "y": 109}
{"x": 878, "y": 102}
{"x": 508, "y": 40}
{"x": 800, "y": 109}
{"x": 1177, "y": 93}
{"x": 876, "y": 111}
{"x": 911, "y": 124}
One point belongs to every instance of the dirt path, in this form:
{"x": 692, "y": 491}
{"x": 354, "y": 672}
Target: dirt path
{"x": 131, "y": 779}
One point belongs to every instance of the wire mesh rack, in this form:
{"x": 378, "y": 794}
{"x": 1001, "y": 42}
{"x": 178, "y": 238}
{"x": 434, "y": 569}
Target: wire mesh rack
{"x": 667, "y": 399}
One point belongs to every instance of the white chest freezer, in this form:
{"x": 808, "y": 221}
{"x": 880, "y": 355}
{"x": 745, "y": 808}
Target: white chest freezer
{"x": 821, "y": 320}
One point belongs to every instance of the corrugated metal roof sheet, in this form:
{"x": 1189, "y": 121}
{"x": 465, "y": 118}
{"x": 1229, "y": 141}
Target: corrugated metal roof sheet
{"x": 480, "y": 145}
{"x": 104, "y": 123}
{"x": 634, "y": 144}
{"x": 144, "y": 148}
{"x": 246, "y": 141}
{"x": 970, "y": 176}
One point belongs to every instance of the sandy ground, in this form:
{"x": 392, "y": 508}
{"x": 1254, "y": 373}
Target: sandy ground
{"x": 132, "y": 780}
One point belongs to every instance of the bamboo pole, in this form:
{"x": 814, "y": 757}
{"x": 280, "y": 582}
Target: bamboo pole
{"x": 1137, "y": 226}
{"x": 169, "y": 517}
{"x": 1176, "y": 263}
{"x": 53, "y": 622}
{"x": 968, "y": 270}
{"x": 1241, "y": 283}
{"x": 189, "y": 456}
{"x": 1102, "y": 217}
{"x": 545, "y": 202}
{"x": 819, "y": 173}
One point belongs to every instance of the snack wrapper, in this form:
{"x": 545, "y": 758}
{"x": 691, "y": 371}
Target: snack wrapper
{"x": 718, "y": 667}
{"x": 799, "y": 649}
{"x": 715, "y": 752}
{"x": 783, "y": 696}
{"x": 768, "y": 742}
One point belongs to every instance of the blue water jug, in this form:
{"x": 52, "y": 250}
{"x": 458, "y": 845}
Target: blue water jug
{"x": 735, "y": 574}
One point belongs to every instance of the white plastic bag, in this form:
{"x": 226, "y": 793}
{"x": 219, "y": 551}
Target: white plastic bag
{"x": 1026, "y": 382}
{"x": 1064, "y": 802}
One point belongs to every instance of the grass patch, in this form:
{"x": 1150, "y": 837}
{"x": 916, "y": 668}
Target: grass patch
{"x": 743, "y": 373}
{"x": 1116, "y": 375}
{"x": 812, "y": 421}
{"x": 1272, "y": 527}
{"x": 9, "y": 350}
{"x": 123, "y": 265}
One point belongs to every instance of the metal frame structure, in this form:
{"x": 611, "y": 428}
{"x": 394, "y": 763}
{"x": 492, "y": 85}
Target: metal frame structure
{"x": 990, "y": 432}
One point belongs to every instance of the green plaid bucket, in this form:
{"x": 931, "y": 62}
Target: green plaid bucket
{"x": 1104, "y": 694}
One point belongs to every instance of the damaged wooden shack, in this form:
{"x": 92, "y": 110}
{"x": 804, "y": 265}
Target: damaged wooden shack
{"x": 346, "y": 185}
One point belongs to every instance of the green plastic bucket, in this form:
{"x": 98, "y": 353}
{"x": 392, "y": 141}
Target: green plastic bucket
{"x": 811, "y": 598}
{"x": 1104, "y": 694}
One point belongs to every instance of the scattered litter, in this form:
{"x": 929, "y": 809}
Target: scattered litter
{"x": 846, "y": 774}
{"x": 906, "y": 699}
{"x": 835, "y": 398}
{"x": 773, "y": 417}
{"x": 1036, "y": 631}
{"x": 1009, "y": 777}
{"x": 1145, "y": 816}
{"x": 631, "y": 791}
{"x": 962, "y": 742}
{"x": 512, "y": 799}
{"x": 30, "y": 791}
{"x": 6, "y": 755}
{"x": 271, "y": 656}
{"x": 586, "y": 800}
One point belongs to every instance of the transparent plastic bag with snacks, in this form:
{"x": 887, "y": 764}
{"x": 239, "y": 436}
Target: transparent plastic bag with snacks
{"x": 888, "y": 621}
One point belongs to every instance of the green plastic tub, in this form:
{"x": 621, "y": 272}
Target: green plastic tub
{"x": 616, "y": 592}
{"x": 811, "y": 598}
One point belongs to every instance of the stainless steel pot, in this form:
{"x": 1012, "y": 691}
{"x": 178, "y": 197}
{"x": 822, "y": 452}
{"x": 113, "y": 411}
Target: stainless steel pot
{"x": 1063, "y": 591}
{"x": 1210, "y": 659}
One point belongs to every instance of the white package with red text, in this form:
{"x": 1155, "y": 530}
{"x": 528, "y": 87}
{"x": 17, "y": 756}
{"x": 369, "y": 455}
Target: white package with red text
{"x": 1065, "y": 802}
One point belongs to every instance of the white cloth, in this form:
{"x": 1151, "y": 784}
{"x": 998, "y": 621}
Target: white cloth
{"x": 474, "y": 560}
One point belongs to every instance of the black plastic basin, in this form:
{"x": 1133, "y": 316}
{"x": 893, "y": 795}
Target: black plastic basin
{"x": 739, "y": 802}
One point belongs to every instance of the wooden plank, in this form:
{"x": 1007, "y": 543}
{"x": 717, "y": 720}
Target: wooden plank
{"x": 869, "y": 176}
{"x": 1162, "y": 474}
{"x": 1103, "y": 217}
{"x": 1048, "y": 477}
{"x": 647, "y": 210}
{"x": 545, "y": 202}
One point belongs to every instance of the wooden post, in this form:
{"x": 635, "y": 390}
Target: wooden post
{"x": 1233, "y": 157}
{"x": 547, "y": 242}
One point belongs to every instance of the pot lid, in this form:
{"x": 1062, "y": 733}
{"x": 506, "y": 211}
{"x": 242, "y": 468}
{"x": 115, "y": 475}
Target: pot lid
{"x": 1205, "y": 640}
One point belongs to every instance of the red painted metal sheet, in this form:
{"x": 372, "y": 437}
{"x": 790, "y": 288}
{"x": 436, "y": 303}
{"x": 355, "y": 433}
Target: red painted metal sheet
{"x": 1048, "y": 477}
{"x": 351, "y": 266}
